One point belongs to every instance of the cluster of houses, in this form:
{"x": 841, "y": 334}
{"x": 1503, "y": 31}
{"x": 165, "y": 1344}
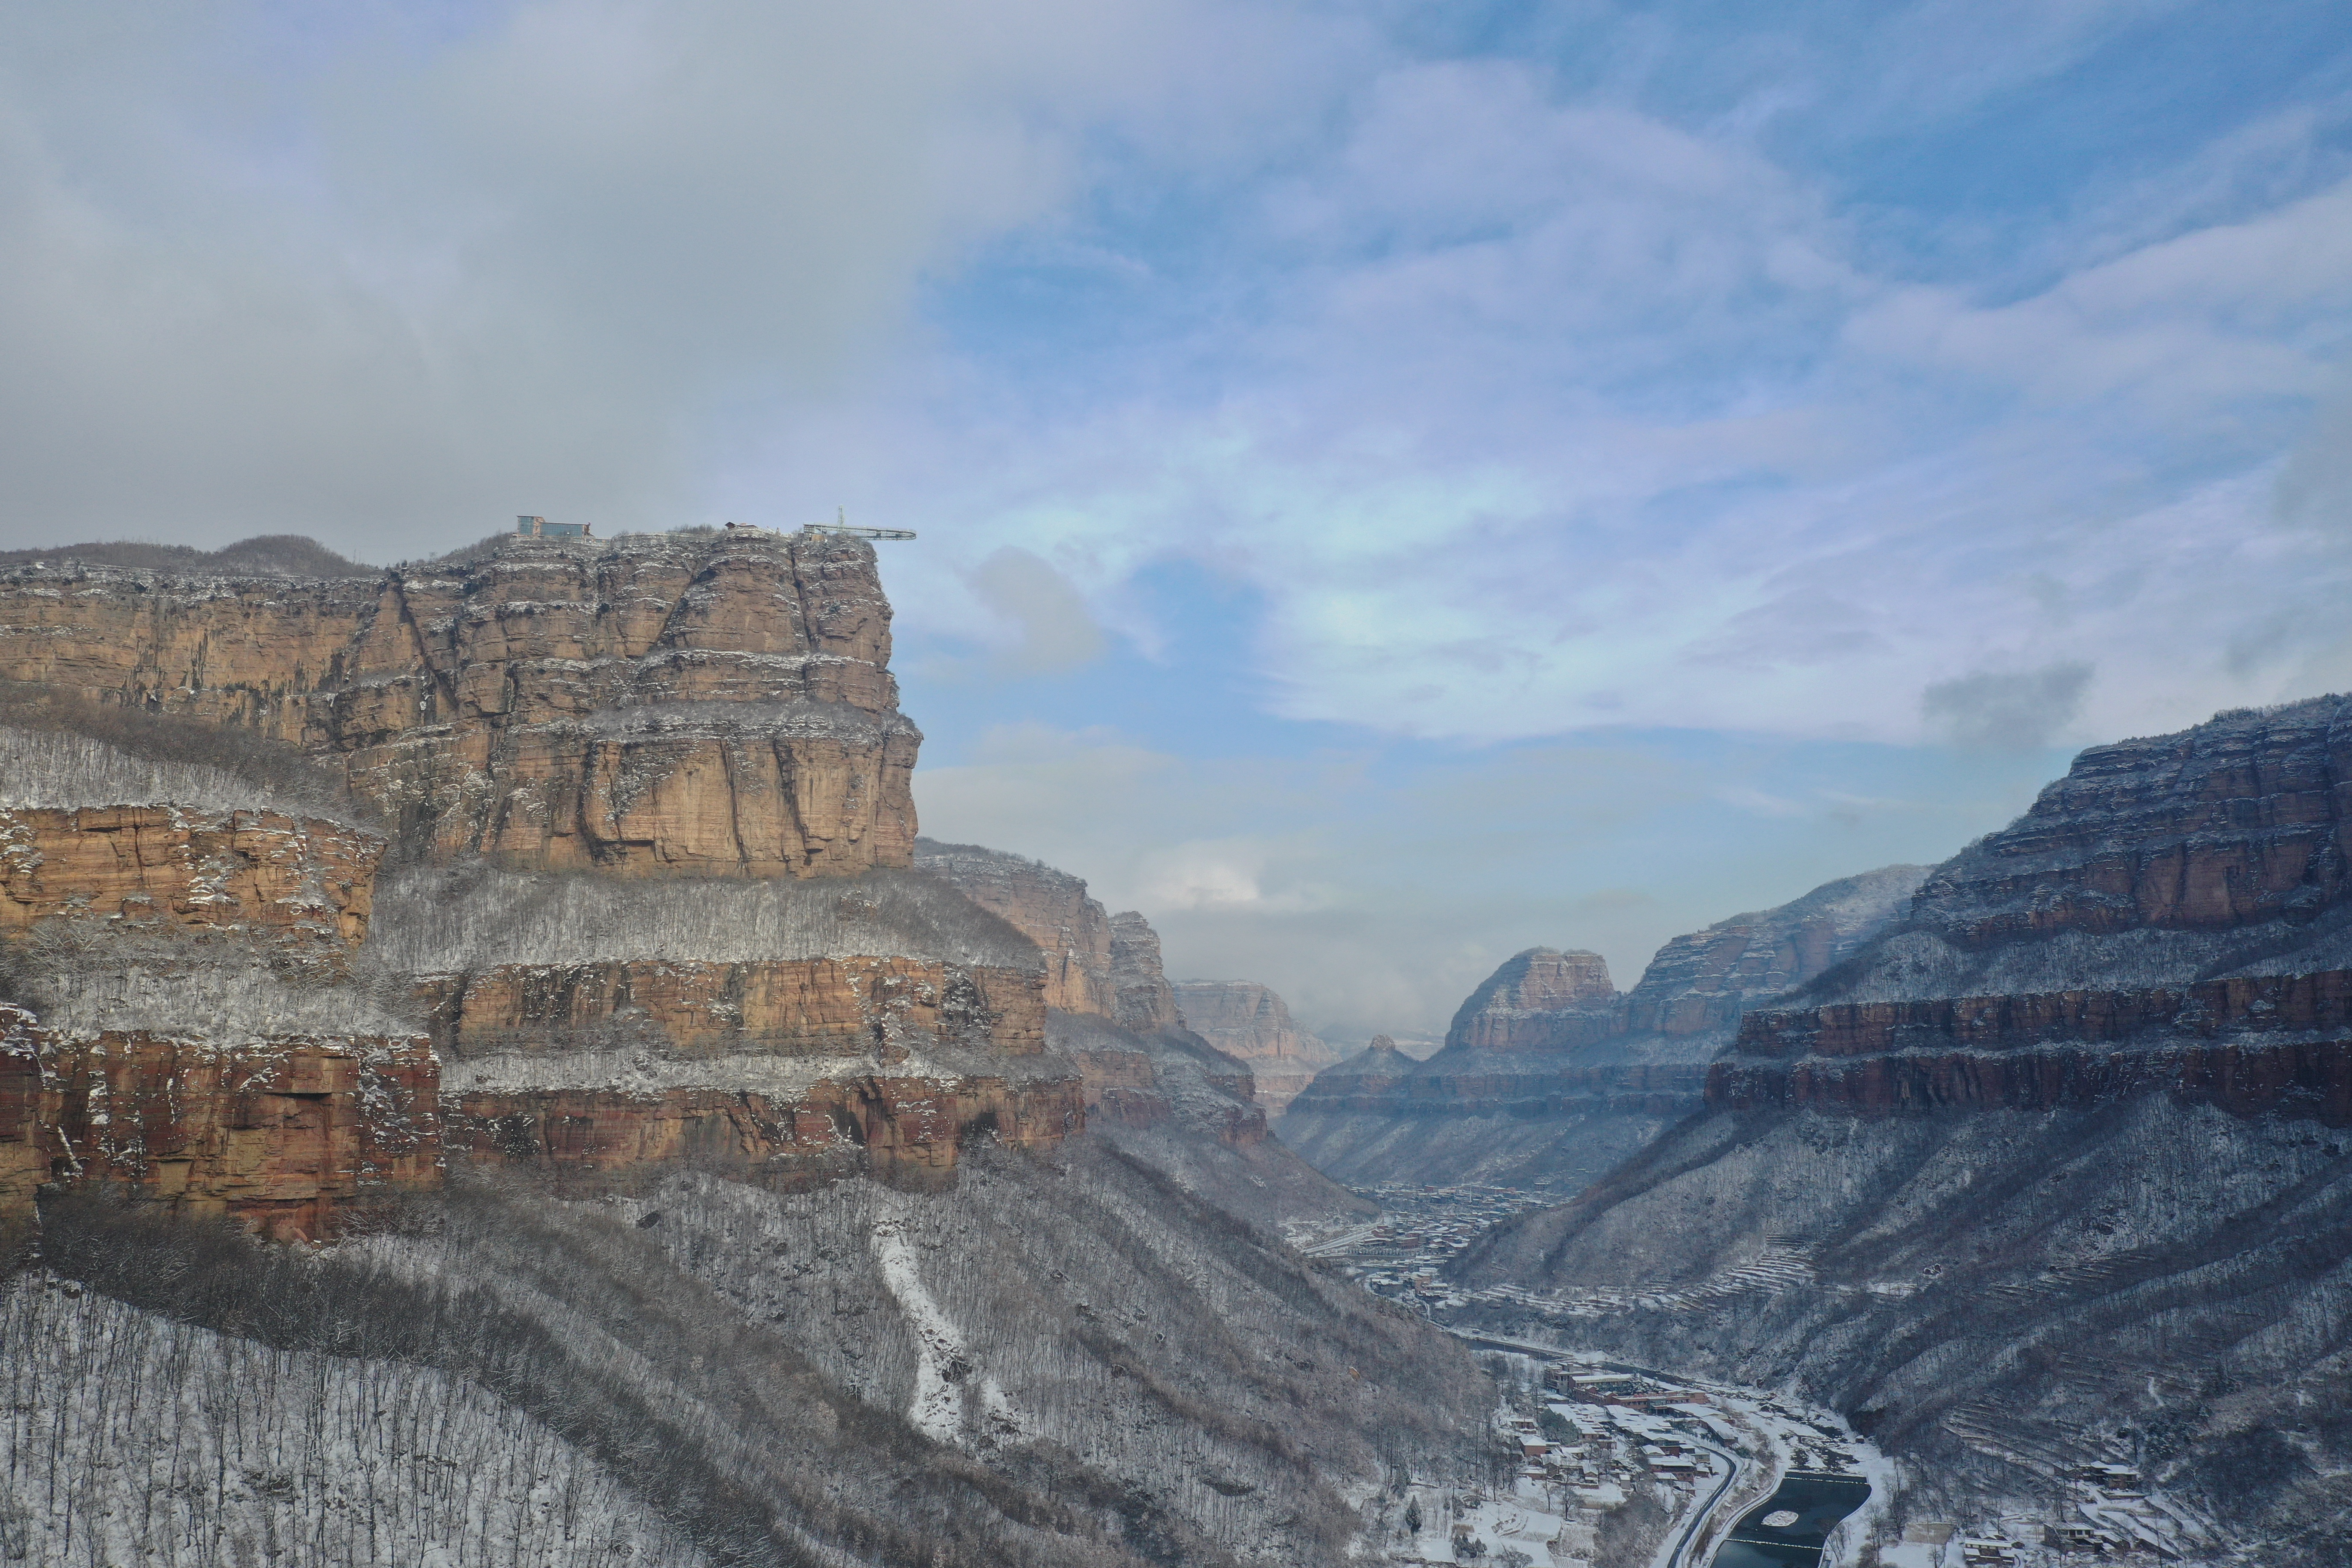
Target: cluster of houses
{"x": 2114, "y": 1515}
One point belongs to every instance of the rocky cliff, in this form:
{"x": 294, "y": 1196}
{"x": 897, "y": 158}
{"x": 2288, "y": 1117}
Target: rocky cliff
{"x": 1539, "y": 1000}
{"x": 1050, "y": 908}
{"x": 1549, "y": 1075}
{"x": 287, "y": 1135}
{"x": 1251, "y": 1023}
{"x": 679, "y": 708}
{"x": 303, "y": 885}
{"x": 678, "y": 704}
{"x": 728, "y": 1193}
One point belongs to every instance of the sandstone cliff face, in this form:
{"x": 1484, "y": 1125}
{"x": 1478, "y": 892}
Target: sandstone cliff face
{"x": 898, "y": 1127}
{"x": 799, "y": 1007}
{"x": 1539, "y": 1000}
{"x": 1049, "y": 907}
{"x": 2236, "y": 821}
{"x": 1141, "y": 997}
{"x": 670, "y": 704}
{"x": 304, "y": 886}
{"x": 284, "y": 1134}
{"x": 1251, "y": 1024}
{"x": 2252, "y": 1045}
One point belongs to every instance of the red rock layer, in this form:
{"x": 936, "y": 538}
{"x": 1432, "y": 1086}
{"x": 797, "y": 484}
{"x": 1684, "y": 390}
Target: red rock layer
{"x": 894, "y": 1126}
{"x": 800, "y": 1008}
{"x": 660, "y": 704}
{"x": 283, "y": 1134}
{"x": 2238, "y": 820}
{"x": 2252, "y": 1044}
{"x": 303, "y": 884}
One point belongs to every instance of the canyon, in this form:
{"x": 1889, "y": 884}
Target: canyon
{"x": 1549, "y": 1075}
{"x": 2047, "y": 1172}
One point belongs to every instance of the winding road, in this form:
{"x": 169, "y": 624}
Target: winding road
{"x": 1680, "y": 1557}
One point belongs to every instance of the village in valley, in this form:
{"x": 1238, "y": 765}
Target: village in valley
{"x": 1588, "y": 1450}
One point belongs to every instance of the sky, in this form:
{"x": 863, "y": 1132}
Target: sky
{"x": 1396, "y": 483}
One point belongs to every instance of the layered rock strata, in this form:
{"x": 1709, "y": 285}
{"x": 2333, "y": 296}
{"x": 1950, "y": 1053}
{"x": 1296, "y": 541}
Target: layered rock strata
{"x": 2237, "y": 821}
{"x": 1250, "y": 1023}
{"x": 668, "y": 704}
{"x": 795, "y": 1008}
{"x": 895, "y": 1126}
{"x": 1142, "y": 1066}
{"x": 1049, "y": 907}
{"x": 300, "y": 885}
{"x": 283, "y": 1134}
{"x": 2252, "y": 1045}
{"x": 1539, "y": 1000}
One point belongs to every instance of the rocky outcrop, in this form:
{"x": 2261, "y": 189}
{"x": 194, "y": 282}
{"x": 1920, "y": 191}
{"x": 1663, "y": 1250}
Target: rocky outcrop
{"x": 303, "y": 886}
{"x": 1699, "y": 986}
{"x": 1141, "y": 997}
{"x": 899, "y": 1128}
{"x": 2252, "y": 1045}
{"x": 665, "y": 704}
{"x": 1049, "y": 907}
{"x": 1250, "y": 1023}
{"x": 287, "y": 1135}
{"x": 1539, "y": 1000}
{"x": 793, "y": 1007}
{"x": 2235, "y": 822}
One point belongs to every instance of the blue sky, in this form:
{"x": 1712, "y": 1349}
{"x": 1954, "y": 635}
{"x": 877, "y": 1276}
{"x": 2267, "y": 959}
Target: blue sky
{"x": 1398, "y": 483}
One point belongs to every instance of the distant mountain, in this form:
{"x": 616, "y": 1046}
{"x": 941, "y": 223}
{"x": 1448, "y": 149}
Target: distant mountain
{"x": 1251, "y": 1023}
{"x": 265, "y": 554}
{"x": 1549, "y": 1075}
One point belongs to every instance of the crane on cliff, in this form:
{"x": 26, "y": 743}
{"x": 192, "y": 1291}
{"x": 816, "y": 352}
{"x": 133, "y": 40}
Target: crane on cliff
{"x": 840, "y": 524}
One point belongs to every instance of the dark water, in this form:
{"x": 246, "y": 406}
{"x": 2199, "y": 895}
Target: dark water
{"x": 1818, "y": 1502}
